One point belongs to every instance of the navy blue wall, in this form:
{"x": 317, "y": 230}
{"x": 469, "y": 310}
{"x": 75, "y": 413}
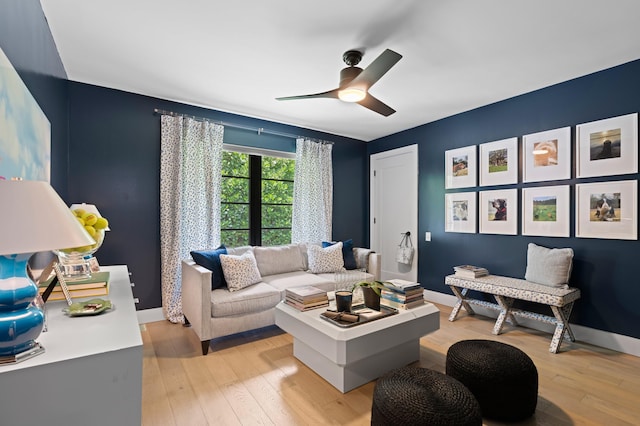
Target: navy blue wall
{"x": 604, "y": 270}
{"x": 114, "y": 163}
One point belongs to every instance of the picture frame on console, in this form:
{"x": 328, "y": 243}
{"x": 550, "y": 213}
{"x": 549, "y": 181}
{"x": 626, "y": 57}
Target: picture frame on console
{"x": 547, "y": 155}
{"x": 545, "y": 211}
{"x": 460, "y": 167}
{"x": 461, "y": 212}
{"x": 607, "y": 147}
{"x": 499, "y": 162}
{"x": 607, "y": 210}
{"x": 498, "y": 212}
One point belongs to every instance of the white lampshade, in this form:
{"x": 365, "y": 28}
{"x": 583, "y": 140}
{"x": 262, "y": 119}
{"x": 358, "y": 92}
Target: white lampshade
{"x": 34, "y": 218}
{"x": 91, "y": 208}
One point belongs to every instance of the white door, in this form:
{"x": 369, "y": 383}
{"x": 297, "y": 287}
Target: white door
{"x": 394, "y": 208}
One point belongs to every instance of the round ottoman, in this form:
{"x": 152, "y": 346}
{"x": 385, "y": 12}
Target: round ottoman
{"x": 503, "y": 379}
{"x": 419, "y": 396}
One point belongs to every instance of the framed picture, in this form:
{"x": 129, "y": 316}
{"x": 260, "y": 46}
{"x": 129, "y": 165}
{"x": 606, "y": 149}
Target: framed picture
{"x": 499, "y": 162}
{"x": 545, "y": 211}
{"x": 460, "y": 167}
{"x": 547, "y": 155}
{"x": 607, "y": 210}
{"x": 607, "y": 147}
{"x": 460, "y": 212}
{"x": 498, "y": 212}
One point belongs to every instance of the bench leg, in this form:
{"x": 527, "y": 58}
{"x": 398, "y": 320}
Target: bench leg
{"x": 505, "y": 314}
{"x": 562, "y": 326}
{"x": 461, "y": 295}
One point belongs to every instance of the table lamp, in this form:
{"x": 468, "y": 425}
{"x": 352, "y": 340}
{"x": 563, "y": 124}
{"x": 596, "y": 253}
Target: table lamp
{"x": 33, "y": 218}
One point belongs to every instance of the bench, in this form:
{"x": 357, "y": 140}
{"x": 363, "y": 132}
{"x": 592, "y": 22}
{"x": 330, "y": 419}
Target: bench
{"x": 506, "y": 290}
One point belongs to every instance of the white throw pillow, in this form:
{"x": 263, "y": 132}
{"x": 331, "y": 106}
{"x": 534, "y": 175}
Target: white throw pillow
{"x": 278, "y": 259}
{"x": 240, "y": 271}
{"x": 550, "y": 267}
{"x": 323, "y": 260}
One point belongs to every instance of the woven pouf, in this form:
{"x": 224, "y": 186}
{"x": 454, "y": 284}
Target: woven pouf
{"x": 503, "y": 379}
{"x": 419, "y": 396}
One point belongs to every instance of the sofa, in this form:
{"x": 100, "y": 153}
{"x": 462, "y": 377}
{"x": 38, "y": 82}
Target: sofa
{"x": 214, "y": 310}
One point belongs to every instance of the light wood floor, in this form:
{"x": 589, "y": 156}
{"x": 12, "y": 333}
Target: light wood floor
{"x": 254, "y": 379}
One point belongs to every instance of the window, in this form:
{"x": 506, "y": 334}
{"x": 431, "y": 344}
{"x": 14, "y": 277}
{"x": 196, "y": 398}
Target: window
{"x": 257, "y": 197}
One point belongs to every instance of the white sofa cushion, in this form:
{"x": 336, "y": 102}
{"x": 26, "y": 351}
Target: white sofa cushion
{"x": 256, "y": 298}
{"x": 278, "y": 259}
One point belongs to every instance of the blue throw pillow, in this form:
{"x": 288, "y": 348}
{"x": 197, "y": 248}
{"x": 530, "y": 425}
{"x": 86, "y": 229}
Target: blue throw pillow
{"x": 210, "y": 259}
{"x": 347, "y": 253}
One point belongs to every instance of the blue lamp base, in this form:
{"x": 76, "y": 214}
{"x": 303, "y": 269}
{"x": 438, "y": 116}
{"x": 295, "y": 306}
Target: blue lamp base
{"x": 20, "y": 321}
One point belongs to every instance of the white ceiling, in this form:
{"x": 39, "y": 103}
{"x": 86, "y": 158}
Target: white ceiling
{"x": 238, "y": 56}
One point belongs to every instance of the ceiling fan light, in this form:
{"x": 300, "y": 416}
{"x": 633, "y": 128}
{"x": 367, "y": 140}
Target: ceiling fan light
{"x": 351, "y": 94}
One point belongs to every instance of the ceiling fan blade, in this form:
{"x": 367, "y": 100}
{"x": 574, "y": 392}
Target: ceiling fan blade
{"x": 328, "y": 94}
{"x": 379, "y": 67}
{"x": 374, "y": 104}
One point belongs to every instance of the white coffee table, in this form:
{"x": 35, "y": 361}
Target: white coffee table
{"x": 350, "y": 357}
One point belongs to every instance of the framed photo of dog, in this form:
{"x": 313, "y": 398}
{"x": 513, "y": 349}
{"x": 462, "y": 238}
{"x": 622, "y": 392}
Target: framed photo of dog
{"x": 498, "y": 212}
{"x": 460, "y": 167}
{"x": 460, "y": 212}
{"x": 547, "y": 155}
{"x": 607, "y": 147}
{"x": 607, "y": 210}
{"x": 545, "y": 211}
{"x": 499, "y": 162}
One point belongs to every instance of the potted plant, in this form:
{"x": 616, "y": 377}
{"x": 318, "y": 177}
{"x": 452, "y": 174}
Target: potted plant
{"x": 371, "y": 291}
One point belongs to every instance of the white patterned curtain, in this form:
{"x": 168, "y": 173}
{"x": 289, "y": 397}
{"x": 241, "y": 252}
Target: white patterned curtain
{"x": 312, "y": 192}
{"x": 190, "y": 179}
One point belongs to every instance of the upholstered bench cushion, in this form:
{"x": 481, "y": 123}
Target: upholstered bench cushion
{"x": 256, "y": 298}
{"x": 298, "y": 279}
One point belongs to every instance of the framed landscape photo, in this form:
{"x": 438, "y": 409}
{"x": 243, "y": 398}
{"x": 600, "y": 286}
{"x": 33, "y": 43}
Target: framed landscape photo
{"x": 547, "y": 155}
{"x": 545, "y": 211}
{"x": 498, "y": 212}
{"x": 460, "y": 212}
{"x": 607, "y": 210}
{"x": 607, "y": 147}
{"x": 460, "y": 167}
{"x": 499, "y": 162}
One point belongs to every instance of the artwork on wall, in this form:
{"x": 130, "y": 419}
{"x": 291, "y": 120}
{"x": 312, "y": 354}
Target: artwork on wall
{"x": 499, "y": 162}
{"x": 547, "y": 155}
{"x": 460, "y": 212}
{"x": 25, "y": 132}
{"x": 607, "y": 147}
{"x": 545, "y": 211}
{"x": 498, "y": 212}
{"x": 607, "y": 210}
{"x": 460, "y": 167}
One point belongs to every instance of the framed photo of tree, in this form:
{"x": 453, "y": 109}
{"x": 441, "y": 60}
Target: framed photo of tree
{"x": 460, "y": 212}
{"x": 607, "y": 210}
{"x": 498, "y": 212}
{"x": 460, "y": 167}
{"x": 499, "y": 162}
{"x": 545, "y": 211}
{"x": 547, "y": 155}
{"x": 607, "y": 147}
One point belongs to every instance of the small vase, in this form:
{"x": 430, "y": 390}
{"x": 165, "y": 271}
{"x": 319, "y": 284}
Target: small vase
{"x": 371, "y": 298}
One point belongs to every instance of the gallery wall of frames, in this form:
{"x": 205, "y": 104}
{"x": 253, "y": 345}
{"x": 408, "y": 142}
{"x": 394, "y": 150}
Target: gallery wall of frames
{"x": 490, "y": 204}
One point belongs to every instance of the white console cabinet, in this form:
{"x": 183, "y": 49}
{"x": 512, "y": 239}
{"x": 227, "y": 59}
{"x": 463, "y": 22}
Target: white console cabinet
{"x": 90, "y": 373}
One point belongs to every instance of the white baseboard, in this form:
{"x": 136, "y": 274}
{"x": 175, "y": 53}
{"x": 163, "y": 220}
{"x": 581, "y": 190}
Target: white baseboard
{"x": 604, "y": 339}
{"x": 150, "y": 315}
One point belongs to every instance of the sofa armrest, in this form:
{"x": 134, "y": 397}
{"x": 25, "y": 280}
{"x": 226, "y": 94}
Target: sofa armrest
{"x": 196, "y": 298}
{"x": 374, "y": 265}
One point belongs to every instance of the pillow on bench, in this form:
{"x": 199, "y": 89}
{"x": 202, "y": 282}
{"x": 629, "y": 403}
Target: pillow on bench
{"x": 550, "y": 267}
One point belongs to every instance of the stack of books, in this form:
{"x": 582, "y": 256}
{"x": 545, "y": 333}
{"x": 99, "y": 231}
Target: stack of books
{"x": 402, "y": 294}
{"x": 306, "y": 298}
{"x": 470, "y": 271}
{"x": 97, "y": 285}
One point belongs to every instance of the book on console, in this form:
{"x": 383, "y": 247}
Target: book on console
{"x": 403, "y": 286}
{"x": 305, "y": 307}
{"x": 404, "y": 306}
{"x": 306, "y": 293}
{"x": 399, "y": 297}
{"x": 97, "y": 280}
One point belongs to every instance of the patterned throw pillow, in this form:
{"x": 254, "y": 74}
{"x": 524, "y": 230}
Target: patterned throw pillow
{"x": 327, "y": 259}
{"x": 240, "y": 271}
{"x": 347, "y": 253}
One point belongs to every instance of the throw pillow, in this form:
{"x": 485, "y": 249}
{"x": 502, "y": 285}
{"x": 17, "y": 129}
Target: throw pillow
{"x": 327, "y": 259}
{"x": 210, "y": 259}
{"x": 347, "y": 253}
{"x": 550, "y": 267}
{"x": 240, "y": 271}
{"x": 278, "y": 259}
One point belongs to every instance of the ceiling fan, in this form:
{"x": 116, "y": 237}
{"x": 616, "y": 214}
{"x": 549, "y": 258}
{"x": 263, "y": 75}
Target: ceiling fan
{"x": 356, "y": 82}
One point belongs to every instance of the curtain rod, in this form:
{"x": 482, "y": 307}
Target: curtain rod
{"x": 259, "y": 130}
